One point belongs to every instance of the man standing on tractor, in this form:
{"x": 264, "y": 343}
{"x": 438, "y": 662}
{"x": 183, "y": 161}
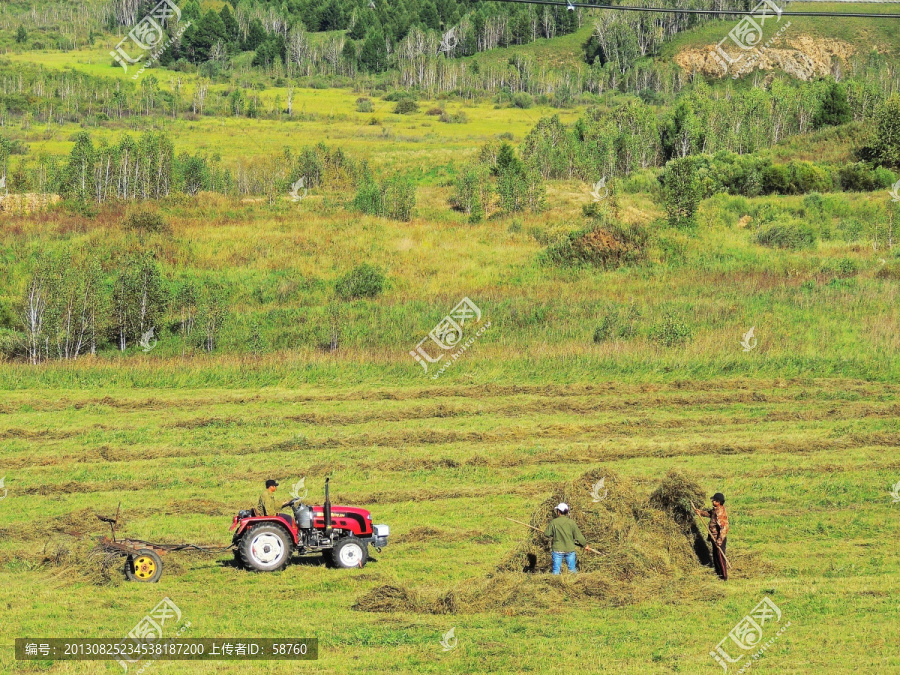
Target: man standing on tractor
{"x": 267, "y": 505}
{"x": 565, "y": 535}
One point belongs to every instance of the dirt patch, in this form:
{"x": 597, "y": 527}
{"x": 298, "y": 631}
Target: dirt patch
{"x": 802, "y": 56}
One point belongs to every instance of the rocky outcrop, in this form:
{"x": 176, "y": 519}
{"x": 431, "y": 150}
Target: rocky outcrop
{"x": 802, "y": 56}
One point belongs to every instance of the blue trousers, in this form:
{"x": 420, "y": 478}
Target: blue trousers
{"x": 558, "y": 560}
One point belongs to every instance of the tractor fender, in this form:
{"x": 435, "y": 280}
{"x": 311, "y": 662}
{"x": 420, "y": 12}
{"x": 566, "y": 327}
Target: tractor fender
{"x": 246, "y": 523}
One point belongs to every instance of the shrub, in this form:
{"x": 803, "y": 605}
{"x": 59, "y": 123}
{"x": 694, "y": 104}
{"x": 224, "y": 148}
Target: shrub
{"x": 796, "y": 178}
{"x": 396, "y": 96}
{"x": 605, "y": 244}
{"x": 520, "y": 188}
{"x": 788, "y": 234}
{"x": 671, "y": 332}
{"x": 195, "y": 174}
{"x": 435, "y": 112}
{"x": 146, "y": 221}
{"x": 523, "y": 100}
{"x": 605, "y": 330}
{"x": 406, "y": 107}
{"x": 364, "y": 105}
{"x": 364, "y": 281}
{"x": 472, "y": 192}
{"x": 843, "y": 268}
{"x": 886, "y": 148}
{"x": 681, "y": 191}
{"x": 862, "y": 177}
{"x": 325, "y": 166}
{"x": 12, "y": 344}
{"x": 732, "y": 173}
{"x": 454, "y": 118}
{"x": 835, "y": 110}
{"x": 393, "y": 198}
{"x": 889, "y": 271}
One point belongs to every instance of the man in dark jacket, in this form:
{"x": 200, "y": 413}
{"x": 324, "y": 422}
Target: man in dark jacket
{"x": 718, "y": 532}
{"x": 565, "y": 535}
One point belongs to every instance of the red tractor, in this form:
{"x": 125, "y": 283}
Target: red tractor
{"x": 265, "y": 543}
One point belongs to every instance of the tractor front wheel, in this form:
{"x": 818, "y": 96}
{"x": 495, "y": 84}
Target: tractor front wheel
{"x": 350, "y": 552}
{"x": 145, "y": 565}
{"x": 266, "y": 548}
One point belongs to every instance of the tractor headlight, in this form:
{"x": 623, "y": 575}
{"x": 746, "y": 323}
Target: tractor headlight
{"x": 380, "y": 536}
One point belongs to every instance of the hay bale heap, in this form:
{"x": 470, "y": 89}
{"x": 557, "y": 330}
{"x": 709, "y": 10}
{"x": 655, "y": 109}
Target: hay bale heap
{"x": 639, "y": 537}
{"x": 648, "y": 545}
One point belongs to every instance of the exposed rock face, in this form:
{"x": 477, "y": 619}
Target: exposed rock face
{"x": 802, "y": 56}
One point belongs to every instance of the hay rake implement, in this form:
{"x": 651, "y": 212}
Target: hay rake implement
{"x": 143, "y": 559}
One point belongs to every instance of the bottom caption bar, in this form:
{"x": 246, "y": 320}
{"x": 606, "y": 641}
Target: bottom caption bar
{"x": 131, "y": 650}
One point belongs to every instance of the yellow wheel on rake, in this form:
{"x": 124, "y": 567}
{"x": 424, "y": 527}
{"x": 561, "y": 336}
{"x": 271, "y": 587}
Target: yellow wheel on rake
{"x": 145, "y": 565}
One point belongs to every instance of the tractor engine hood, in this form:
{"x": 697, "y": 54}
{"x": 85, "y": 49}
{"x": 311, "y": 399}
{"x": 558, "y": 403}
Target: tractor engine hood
{"x": 358, "y": 521}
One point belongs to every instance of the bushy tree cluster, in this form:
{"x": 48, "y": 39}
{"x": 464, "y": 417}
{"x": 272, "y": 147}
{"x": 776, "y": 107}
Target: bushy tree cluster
{"x": 78, "y": 301}
{"x": 518, "y": 185}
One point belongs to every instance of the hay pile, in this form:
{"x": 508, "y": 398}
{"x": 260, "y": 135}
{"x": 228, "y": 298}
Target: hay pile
{"x": 652, "y": 547}
{"x": 79, "y": 558}
{"x": 639, "y": 537}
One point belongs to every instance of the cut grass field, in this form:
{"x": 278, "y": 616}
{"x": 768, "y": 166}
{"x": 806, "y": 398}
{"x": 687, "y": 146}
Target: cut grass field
{"x": 801, "y": 433}
{"x": 806, "y": 466}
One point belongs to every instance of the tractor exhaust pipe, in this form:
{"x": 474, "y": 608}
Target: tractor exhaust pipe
{"x": 327, "y": 508}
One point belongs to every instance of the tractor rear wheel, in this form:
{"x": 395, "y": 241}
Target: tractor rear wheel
{"x": 350, "y": 552}
{"x": 145, "y": 565}
{"x": 266, "y": 548}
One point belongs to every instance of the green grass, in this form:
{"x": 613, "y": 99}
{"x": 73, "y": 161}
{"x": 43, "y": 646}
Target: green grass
{"x": 806, "y": 466}
{"x": 800, "y": 433}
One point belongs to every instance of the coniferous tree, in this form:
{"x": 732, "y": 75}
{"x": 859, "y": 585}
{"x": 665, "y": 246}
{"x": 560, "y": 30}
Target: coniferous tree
{"x": 835, "y": 109}
{"x": 374, "y": 52}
